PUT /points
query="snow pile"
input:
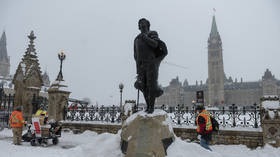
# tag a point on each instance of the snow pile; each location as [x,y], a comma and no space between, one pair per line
[103,145]
[60,85]
[6,133]
[128,108]
[181,148]
[271,104]
[156,112]
[168,122]
[271,114]
[90,144]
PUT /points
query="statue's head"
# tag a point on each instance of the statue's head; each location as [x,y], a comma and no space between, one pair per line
[144,25]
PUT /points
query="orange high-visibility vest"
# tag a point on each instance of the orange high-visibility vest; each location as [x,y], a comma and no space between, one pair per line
[16,119]
[206,115]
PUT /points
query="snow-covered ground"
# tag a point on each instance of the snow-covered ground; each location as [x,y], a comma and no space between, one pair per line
[90,144]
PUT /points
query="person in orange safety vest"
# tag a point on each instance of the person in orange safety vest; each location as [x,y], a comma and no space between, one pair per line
[204,126]
[16,122]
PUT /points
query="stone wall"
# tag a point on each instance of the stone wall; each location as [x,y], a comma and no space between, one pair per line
[227,137]
[99,128]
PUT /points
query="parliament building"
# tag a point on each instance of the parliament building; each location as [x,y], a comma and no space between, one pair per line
[218,89]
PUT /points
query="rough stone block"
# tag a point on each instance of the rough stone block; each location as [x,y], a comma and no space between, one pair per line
[146,135]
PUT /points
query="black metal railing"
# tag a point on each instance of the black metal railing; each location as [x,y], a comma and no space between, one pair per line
[181,116]
[110,114]
[7,106]
[230,116]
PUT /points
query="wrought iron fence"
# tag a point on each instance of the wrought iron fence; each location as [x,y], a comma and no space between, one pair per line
[231,116]
[7,105]
[110,114]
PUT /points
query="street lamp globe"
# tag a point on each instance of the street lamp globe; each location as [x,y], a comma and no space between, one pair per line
[193,102]
[61,55]
[121,86]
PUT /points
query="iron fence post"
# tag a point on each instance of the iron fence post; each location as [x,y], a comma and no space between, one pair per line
[113,114]
[178,114]
[233,115]
[195,115]
[255,112]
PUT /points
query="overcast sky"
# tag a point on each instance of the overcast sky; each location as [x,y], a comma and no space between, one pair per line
[97,36]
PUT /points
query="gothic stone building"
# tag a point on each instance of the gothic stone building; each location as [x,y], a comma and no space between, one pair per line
[219,89]
[5,76]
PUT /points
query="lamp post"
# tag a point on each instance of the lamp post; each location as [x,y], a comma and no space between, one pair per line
[121,86]
[61,57]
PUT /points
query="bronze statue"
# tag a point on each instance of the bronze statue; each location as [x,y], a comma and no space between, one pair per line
[149,51]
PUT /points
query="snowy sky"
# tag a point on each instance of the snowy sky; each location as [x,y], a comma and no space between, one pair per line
[98,35]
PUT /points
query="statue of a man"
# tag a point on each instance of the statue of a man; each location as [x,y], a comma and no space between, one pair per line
[149,51]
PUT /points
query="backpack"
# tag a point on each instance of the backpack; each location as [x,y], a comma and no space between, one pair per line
[161,50]
[215,124]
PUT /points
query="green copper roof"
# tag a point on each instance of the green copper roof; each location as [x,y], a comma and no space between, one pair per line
[214,29]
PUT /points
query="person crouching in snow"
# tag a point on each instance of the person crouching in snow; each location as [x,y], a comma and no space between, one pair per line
[204,126]
[16,122]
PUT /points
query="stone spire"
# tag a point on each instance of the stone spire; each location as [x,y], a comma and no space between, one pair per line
[4,59]
[3,38]
[268,75]
[31,51]
[214,30]
[29,66]
[3,47]
[186,83]
[46,79]
[269,83]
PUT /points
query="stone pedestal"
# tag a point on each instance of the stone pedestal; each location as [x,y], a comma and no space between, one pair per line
[271,120]
[271,128]
[146,135]
[58,100]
